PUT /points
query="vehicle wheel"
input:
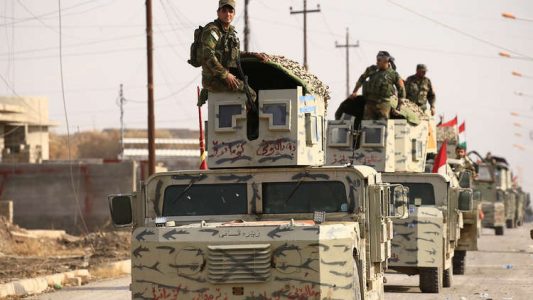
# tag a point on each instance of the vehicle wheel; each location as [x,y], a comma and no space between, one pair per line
[430,280]
[447,278]
[357,283]
[509,223]
[498,230]
[458,262]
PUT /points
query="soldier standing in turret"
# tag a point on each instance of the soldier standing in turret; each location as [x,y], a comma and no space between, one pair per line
[379,82]
[221,54]
[419,89]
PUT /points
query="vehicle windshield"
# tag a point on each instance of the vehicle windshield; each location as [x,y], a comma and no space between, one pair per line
[205,200]
[422,191]
[304,197]
[484,173]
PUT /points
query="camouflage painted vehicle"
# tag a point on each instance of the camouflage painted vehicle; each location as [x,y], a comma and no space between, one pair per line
[520,203]
[471,229]
[424,243]
[267,220]
[494,182]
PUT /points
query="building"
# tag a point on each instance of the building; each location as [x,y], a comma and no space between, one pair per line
[24,128]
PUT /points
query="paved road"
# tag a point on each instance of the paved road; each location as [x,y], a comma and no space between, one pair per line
[488,275]
[502,269]
[116,289]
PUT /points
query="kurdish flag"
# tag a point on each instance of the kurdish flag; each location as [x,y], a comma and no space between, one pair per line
[462,135]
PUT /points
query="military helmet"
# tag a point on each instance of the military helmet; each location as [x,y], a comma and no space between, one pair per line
[222,3]
[421,67]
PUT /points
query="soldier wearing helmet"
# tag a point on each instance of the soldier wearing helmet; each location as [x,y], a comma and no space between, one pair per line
[221,52]
[382,86]
[420,90]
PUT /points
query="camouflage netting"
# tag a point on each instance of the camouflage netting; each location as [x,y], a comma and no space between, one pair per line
[412,112]
[313,84]
[296,72]
[447,133]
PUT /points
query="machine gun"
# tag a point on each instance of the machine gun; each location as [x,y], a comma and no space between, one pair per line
[251,104]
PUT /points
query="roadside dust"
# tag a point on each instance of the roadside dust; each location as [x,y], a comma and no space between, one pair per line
[27,253]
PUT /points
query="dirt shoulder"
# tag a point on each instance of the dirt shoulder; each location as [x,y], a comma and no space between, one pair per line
[29,253]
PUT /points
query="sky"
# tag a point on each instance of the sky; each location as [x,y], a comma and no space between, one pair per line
[104,46]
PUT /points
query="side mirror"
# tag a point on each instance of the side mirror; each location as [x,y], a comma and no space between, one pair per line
[399,202]
[121,210]
[466,200]
[465,179]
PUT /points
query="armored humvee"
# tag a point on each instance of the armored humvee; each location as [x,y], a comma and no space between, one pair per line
[492,197]
[464,178]
[268,220]
[423,243]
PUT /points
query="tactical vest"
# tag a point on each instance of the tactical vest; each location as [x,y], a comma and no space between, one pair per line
[380,85]
[228,46]
[417,90]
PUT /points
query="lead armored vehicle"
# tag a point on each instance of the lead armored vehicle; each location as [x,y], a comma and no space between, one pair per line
[268,220]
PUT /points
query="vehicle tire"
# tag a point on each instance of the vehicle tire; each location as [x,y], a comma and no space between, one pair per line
[430,280]
[447,277]
[509,223]
[498,230]
[458,262]
[357,283]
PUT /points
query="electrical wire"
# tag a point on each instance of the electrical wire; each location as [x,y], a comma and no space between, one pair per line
[74,190]
[463,33]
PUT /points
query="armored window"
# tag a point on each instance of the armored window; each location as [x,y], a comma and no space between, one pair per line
[304,197]
[227,114]
[417,150]
[484,173]
[339,136]
[277,112]
[373,136]
[205,200]
[311,129]
[422,191]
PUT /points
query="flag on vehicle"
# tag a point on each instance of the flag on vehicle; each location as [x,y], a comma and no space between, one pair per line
[452,122]
[203,153]
[462,135]
[440,164]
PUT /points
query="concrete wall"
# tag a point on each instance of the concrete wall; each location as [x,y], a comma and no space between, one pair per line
[43,195]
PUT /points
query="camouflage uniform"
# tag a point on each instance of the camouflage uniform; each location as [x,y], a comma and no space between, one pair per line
[220,53]
[420,91]
[379,92]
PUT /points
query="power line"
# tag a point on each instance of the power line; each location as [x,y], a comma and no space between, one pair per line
[305,11]
[469,35]
[347,46]
[74,190]
[51,13]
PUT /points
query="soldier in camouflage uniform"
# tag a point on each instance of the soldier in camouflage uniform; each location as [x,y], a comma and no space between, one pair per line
[460,153]
[419,89]
[379,82]
[220,54]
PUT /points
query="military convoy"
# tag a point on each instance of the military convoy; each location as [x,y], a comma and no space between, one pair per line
[424,243]
[269,220]
[294,206]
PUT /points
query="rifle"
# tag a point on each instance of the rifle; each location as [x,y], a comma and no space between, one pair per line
[247,88]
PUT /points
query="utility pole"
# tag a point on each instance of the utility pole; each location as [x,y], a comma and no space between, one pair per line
[246,26]
[347,46]
[121,101]
[305,11]
[150,68]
